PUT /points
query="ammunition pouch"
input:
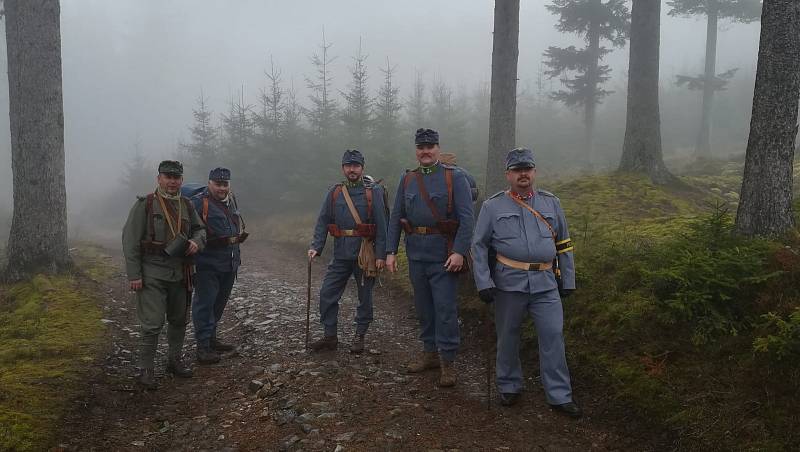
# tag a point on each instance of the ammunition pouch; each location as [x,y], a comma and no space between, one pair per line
[177,246]
[406,226]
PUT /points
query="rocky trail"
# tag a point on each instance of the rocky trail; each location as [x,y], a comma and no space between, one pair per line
[271,395]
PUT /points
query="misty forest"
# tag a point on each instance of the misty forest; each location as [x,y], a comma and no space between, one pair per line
[221,232]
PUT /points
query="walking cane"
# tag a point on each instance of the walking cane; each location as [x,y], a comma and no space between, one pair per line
[487,351]
[308,302]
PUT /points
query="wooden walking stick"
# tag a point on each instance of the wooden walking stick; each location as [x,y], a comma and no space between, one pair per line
[487,350]
[308,302]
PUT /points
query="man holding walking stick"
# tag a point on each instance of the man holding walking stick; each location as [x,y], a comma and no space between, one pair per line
[355,216]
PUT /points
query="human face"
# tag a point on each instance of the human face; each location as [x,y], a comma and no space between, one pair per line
[352,171]
[521,179]
[219,189]
[428,154]
[170,183]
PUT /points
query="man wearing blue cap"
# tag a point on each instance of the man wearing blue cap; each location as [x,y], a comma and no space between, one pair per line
[434,208]
[523,262]
[354,215]
[217,265]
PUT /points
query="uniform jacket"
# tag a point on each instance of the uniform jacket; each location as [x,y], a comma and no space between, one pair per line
[516,233]
[163,267]
[219,224]
[338,213]
[410,205]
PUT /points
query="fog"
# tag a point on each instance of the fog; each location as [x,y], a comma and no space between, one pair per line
[133,69]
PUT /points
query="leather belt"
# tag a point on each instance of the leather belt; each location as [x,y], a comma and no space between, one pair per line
[526,266]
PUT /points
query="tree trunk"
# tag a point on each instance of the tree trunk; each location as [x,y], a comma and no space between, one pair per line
[38,238]
[703,149]
[503,98]
[765,206]
[642,149]
[590,108]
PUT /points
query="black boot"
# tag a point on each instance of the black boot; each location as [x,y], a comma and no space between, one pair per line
[206,355]
[147,379]
[358,344]
[176,367]
[220,346]
[570,409]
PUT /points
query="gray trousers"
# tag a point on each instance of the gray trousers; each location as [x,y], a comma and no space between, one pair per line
[437,307]
[333,286]
[548,318]
[156,301]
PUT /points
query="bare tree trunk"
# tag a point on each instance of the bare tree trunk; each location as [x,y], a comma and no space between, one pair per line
[591,91]
[38,238]
[703,149]
[503,98]
[642,149]
[765,207]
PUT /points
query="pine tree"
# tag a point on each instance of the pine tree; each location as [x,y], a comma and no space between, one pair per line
[202,148]
[357,113]
[322,114]
[272,102]
[744,11]
[386,125]
[417,104]
[580,70]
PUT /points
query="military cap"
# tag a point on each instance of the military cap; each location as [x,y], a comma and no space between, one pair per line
[426,136]
[351,156]
[219,174]
[520,158]
[172,167]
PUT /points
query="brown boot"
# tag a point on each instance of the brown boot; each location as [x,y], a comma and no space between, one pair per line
[147,379]
[423,362]
[219,346]
[358,344]
[326,343]
[448,376]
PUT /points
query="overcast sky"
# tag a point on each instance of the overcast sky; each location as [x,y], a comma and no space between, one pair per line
[133,68]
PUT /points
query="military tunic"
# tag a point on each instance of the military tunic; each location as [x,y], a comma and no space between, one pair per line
[345,254]
[434,288]
[514,232]
[163,293]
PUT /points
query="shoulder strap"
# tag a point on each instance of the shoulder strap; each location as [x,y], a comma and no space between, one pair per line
[448,179]
[423,192]
[407,179]
[148,208]
[205,209]
[334,194]
[534,212]
[353,210]
[369,204]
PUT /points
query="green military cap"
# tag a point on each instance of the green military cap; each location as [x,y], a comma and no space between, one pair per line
[172,167]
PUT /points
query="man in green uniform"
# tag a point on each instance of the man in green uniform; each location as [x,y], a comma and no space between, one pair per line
[163,231]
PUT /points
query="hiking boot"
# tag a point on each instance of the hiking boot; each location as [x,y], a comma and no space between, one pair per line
[147,379]
[425,361]
[508,398]
[570,409]
[326,343]
[220,346]
[447,377]
[177,368]
[358,344]
[205,355]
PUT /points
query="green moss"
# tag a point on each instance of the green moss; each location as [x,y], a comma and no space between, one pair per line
[50,331]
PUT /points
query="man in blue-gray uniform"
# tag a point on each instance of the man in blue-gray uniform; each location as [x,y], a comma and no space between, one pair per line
[217,265]
[355,216]
[433,206]
[521,248]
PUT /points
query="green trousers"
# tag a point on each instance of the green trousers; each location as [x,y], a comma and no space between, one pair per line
[156,301]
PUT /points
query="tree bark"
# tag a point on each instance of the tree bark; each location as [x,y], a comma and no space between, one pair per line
[703,148]
[503,98]
[765,206]
[38,238]
[641,151]
[592,75]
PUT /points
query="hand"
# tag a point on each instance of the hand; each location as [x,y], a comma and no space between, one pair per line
[565,293]
[193,248]
[136,285]
[380,264]
[312,254]
[454,263]
[487,295]
[391,263]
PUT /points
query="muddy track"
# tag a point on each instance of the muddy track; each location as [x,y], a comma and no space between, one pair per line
[326,401]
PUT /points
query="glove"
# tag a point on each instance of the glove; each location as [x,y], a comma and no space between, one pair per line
[486,295]
[565,293]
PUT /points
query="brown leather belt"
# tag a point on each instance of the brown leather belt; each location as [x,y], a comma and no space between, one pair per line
[151,247]
[531,267]
[424,230]
[222,241]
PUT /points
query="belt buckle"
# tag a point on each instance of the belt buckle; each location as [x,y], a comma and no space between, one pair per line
[348,232]
[533,267]
[231,240]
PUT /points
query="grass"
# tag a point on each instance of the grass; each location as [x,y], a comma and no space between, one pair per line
[50,331]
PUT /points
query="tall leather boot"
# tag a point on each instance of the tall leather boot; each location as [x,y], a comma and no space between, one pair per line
[147,356]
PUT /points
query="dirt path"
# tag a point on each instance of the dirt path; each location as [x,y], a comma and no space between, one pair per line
[328,401]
